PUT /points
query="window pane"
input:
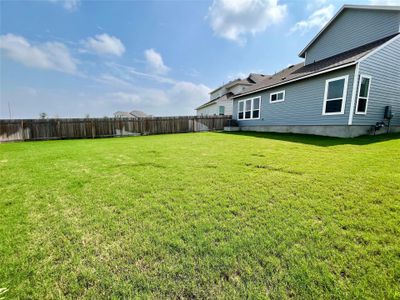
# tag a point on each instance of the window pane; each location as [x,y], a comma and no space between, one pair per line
[362,105]
[335,89]
[256,113]
[248,105]
[221,110]
[273,97]
[256,103]
[280,96]
[333,106]
[240,115]
[248,115]
[364,87]
[241,105]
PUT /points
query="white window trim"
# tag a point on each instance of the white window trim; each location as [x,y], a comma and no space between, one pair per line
[251,109]
[346,79]
[276,93]
[358,94]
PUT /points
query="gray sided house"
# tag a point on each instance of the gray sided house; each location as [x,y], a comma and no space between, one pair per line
[221,101]
[350,74]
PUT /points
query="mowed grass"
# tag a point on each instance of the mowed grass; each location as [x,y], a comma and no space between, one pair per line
[203,215]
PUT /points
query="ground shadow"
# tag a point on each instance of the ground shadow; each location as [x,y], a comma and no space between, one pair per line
[316,140]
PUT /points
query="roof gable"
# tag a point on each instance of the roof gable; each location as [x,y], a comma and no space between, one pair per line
[340,12]
[301,71]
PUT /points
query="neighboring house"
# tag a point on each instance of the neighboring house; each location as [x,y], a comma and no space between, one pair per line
[350,73]
[220,102]
[134,114]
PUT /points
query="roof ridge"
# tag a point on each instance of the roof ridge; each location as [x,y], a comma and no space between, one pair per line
[301,71]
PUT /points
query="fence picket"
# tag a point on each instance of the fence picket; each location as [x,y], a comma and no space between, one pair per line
[35,129]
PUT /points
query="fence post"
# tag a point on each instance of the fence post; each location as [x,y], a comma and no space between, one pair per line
[93,130]
[22,133]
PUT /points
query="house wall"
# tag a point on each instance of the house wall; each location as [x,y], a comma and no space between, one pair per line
[353,28]
[218,93]
[209,110]
[213,109]
[384,68]
[303,103]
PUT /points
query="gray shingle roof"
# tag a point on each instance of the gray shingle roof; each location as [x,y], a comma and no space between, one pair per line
[138,114]
[299,71]
[223,97]
[249,80]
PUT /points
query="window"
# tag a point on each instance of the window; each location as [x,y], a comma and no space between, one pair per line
[256,108]
[249,109]
[363,93]
[240,110]
[335,96]
[277,97]
[221,110]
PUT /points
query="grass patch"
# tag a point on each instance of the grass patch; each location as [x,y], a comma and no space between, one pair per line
[205,215]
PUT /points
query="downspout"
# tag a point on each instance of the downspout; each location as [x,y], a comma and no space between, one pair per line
[353,94]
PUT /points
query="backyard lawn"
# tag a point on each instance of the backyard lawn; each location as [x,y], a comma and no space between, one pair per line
[202,215]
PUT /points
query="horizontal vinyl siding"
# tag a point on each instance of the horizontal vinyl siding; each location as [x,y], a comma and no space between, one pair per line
[353,28]
[213,109]
[303,103]
[208,110]
[384,68]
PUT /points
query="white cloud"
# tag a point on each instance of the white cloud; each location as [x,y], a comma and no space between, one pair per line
[70,5]
[104,44]
[316,20]
[155,62]
[179,99]
[234,19]
[124,97]
[112,80]
[49,55]
[186,96]
[315,4]
[148,98]
[384,2]
[168,97]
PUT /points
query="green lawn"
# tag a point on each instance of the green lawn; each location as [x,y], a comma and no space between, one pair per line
[203,215]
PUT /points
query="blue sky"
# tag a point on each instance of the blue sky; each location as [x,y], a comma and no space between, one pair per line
[70,58]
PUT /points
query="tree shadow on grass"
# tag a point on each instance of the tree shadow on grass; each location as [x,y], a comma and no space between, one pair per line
[316,140]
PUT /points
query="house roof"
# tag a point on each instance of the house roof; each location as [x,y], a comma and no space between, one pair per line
[123,113]
[132,114]
[301,71]
[249,80]
[232,83]
[138,114]
[344,7]
[253,78]
[223,97]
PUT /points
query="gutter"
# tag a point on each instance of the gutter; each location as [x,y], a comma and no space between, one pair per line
[295,79]
[205,105]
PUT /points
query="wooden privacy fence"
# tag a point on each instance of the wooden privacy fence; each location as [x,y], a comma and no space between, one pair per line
[35,129]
